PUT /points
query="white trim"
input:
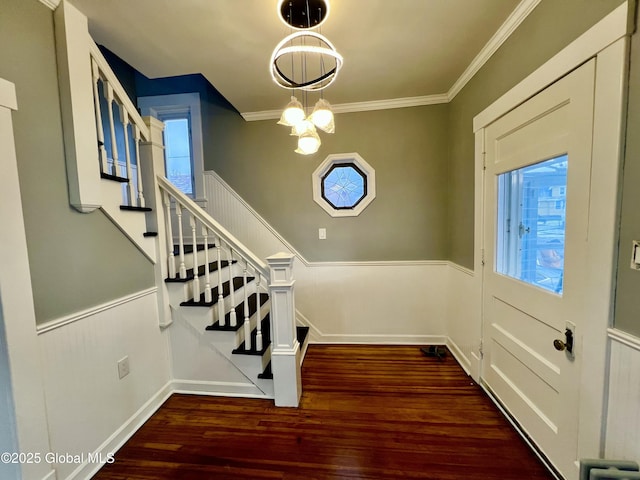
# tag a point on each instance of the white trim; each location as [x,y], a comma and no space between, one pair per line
[624,338]
[465,270]
[307,263]
[166,104]
[124,433]
[407,339]
[217,389]
[326,165]
[50,476]
[74,317]
[611,28]
[8,97]
[52,4]
[521,12]
[460,357]
[608,41]
[359,106]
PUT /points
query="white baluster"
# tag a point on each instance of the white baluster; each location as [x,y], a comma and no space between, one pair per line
[233,321]
[196,280]
[221,318]
[207,274]
[247,323]
[182,269]
[102,151]
[169,234]
[112,129]
[258,314]
[124,118]
[137,138]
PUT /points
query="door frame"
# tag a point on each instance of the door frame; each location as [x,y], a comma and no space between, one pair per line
[608,42]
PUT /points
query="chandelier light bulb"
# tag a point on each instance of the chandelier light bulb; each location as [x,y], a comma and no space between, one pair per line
[308,143]
[322,116]
[292,114]
[302,127]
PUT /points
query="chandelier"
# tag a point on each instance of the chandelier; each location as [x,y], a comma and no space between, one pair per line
[306,61]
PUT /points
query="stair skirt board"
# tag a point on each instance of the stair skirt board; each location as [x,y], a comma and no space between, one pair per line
[218,389]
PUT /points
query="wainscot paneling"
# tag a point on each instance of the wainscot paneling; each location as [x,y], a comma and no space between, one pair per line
[623,418]
[89,409]
[463,318]
[345,302]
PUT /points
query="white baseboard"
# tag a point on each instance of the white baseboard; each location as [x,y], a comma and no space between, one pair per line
[120,436]
[460,357]
[217,389]
[380,339]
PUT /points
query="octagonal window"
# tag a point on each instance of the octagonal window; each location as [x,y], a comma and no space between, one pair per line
[344,184]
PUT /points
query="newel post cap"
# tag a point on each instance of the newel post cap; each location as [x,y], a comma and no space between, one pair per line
[281,267]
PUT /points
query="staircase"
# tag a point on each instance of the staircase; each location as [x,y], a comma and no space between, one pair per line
[237,309]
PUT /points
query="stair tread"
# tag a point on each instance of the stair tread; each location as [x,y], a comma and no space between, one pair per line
[301,334]
[114,178]
[188,248]
[238,282]
[266,340]
[150,234]
[239,315]
[267,374]
[132,208]
[213,267]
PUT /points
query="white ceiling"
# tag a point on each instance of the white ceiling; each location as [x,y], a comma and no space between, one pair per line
[392,49]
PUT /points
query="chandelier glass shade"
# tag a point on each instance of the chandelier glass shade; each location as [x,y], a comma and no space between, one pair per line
[292,114]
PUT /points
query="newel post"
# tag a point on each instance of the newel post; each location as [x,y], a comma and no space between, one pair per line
[152,163]
[285,353]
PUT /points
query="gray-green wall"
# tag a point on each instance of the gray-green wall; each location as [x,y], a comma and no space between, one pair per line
[547,30]
[406,147]
[76,260]
[627,312]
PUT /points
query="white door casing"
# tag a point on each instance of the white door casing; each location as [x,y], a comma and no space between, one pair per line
[608,43]
[537,384]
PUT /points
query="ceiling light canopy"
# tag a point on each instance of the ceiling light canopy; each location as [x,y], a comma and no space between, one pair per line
[301,14]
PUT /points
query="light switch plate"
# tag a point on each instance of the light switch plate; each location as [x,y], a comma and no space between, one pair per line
[635,254]
[322,233]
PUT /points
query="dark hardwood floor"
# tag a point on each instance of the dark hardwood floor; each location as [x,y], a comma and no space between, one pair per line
[367,412]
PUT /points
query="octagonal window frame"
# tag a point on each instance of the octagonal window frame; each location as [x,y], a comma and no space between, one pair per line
[345,160]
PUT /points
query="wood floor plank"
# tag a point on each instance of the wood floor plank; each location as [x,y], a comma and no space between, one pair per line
[367,412]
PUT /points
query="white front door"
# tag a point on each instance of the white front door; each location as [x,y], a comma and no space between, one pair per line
[537,184]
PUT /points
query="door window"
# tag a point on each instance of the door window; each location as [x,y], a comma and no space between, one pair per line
[531,223]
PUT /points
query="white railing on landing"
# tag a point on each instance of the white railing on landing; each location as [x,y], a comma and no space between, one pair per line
[180,211]
[133,128]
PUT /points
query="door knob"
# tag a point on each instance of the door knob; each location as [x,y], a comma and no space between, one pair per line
[567,344]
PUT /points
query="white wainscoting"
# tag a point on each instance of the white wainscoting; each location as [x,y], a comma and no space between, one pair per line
[464,301]
[623,418]
[89,409]
[345,302]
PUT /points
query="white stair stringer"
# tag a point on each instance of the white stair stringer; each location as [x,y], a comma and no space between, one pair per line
[196,319]
[133,224]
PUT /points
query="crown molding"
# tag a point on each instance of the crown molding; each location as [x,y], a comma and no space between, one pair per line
[359,106]
[522,11]
[52,4]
